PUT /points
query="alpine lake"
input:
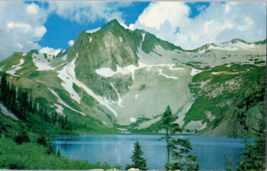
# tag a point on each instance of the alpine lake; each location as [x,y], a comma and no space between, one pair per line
[117,149]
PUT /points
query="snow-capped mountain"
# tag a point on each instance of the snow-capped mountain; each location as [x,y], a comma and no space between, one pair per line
[120,77]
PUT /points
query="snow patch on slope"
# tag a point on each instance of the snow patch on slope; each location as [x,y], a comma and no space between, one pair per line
[143,36]
[209,115]
[172,77]
[224,72]
[66,75]
[59,109]
[51,51]
[14,68]
[133,119]
[41,63]
[107,72]
[93,30]
[195,71]
[130,69]
[7,113]
[120,99]
[69,71]
[63,103]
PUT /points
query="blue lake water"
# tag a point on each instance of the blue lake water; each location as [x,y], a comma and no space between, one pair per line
[117,149]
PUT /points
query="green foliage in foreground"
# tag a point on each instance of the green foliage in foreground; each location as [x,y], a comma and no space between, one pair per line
[32,156]
[254,155]
[138,161]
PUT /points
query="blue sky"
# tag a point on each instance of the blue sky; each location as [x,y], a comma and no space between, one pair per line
[53,25]
[66,30]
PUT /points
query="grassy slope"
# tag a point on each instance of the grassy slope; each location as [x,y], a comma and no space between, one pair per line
[227,95]
[33,156]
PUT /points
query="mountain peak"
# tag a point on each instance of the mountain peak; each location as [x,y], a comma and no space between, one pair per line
[114,21]
[112,25]
[236,40]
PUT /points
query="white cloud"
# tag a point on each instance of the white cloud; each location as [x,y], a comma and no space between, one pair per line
[131,26]
[21,26]
[88,11]
[71,42]
[216,23]
[51,51]
[33,8]
[158,13]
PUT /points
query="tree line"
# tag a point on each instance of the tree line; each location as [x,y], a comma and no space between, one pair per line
[24,105]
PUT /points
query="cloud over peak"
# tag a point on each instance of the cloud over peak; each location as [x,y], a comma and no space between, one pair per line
[217,23]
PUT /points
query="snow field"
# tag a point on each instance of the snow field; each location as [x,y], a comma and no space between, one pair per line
[130,69]
[41,63]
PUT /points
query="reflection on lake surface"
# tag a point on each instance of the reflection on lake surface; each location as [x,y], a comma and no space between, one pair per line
[117,149]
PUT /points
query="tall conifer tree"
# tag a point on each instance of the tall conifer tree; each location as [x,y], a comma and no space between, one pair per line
[138,161]
[180,155]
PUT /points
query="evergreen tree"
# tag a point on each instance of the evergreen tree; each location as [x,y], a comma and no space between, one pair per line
[2,126]
[42,139]
[4,87]
[180,151]
[66,122]
[22,135]
[58,152]
[13,99]
[181,154]
[138,161]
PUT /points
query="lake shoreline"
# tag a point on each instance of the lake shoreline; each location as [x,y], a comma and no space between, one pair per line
[117,149]
[197,134]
